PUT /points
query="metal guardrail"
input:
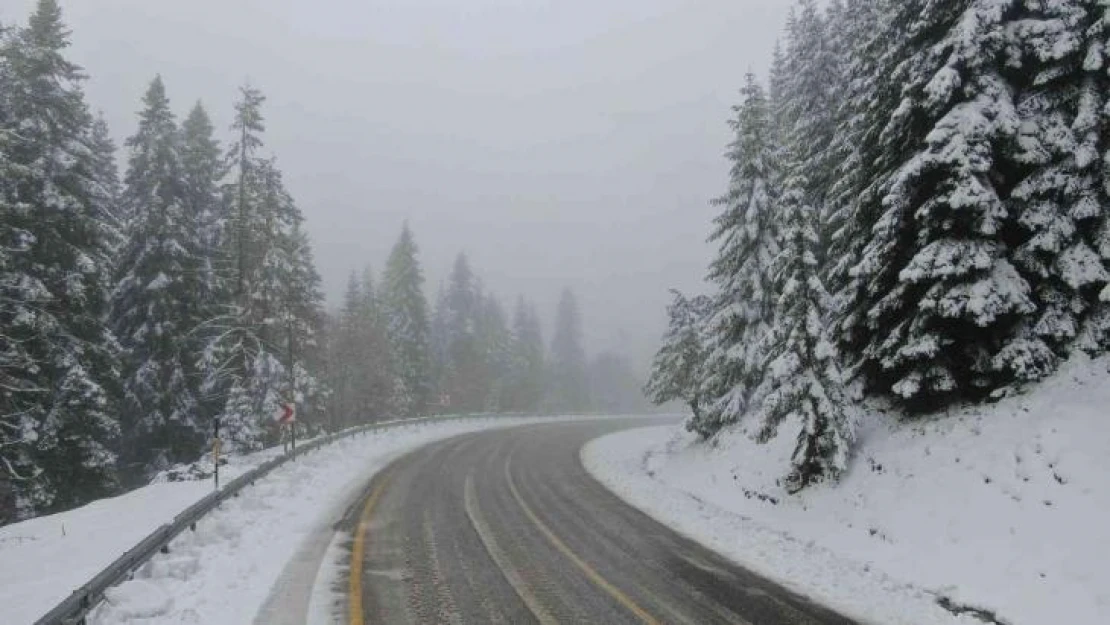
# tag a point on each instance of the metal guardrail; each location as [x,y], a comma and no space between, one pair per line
[74,609]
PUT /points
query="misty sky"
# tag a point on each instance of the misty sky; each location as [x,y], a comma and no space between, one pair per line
[560,143]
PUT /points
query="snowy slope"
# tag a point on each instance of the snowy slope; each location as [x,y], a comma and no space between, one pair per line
[221,573]
[1001,507]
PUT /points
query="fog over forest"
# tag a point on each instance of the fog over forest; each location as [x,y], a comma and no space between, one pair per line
[559,144]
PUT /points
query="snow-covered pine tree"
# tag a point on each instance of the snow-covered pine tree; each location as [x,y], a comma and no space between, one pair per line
[869,100]
[528,367]
[676,373]
[1091,125]
[375,354]
[810,96]
[406,312]
[57,276]
[363,382]
[1059,203]
[242,194]
[106,192]
[940,296]
[741,307]
[18,387]
[156,306]
[569,385]
[496,345]
[202,169]
[233,344]
[283,312]
[247,359]
[466,383]
[439,361]
[302,317]
[801,379]
[345,353]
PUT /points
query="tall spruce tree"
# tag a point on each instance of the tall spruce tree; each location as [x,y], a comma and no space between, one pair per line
[438,348]
[202,168]
[106,191]
[363,385]
[800,380]
[1058,203]
[801,377]
[241,373]
[345,350]
[156,308]
[60,359]
[262,349]
[375,358]
[869,100]
[808,106]
[748,239]
[569,385]
[301,317]
[676,373]
[938,292]
[466,382]
[495,341]
[528,372]
[18,388]
[406,313]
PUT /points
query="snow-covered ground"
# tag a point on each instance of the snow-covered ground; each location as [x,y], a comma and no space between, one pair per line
[44,559]
[222,572]
[1004,508]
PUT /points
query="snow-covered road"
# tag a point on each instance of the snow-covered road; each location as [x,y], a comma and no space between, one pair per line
[507,527]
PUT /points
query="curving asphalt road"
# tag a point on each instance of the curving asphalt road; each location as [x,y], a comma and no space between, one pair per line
[506,526]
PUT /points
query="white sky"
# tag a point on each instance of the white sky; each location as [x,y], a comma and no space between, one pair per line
[560,143]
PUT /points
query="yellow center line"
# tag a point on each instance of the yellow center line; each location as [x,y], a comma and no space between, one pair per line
[588,570]
[358,552]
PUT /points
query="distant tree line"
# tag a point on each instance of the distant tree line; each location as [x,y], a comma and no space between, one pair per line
[390,353]
[917,210]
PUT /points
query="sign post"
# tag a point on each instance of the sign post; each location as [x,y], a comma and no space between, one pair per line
[286,417]
[216,452]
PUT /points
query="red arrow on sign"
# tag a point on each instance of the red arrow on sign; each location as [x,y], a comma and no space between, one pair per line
[285,414]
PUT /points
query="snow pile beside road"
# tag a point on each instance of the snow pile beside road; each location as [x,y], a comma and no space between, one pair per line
[999,511]
[42,560]
[223,572]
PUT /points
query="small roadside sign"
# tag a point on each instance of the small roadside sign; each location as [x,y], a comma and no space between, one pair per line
[286,414]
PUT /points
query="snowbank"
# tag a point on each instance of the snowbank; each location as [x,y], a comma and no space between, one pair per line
[998,511]
[44,559]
